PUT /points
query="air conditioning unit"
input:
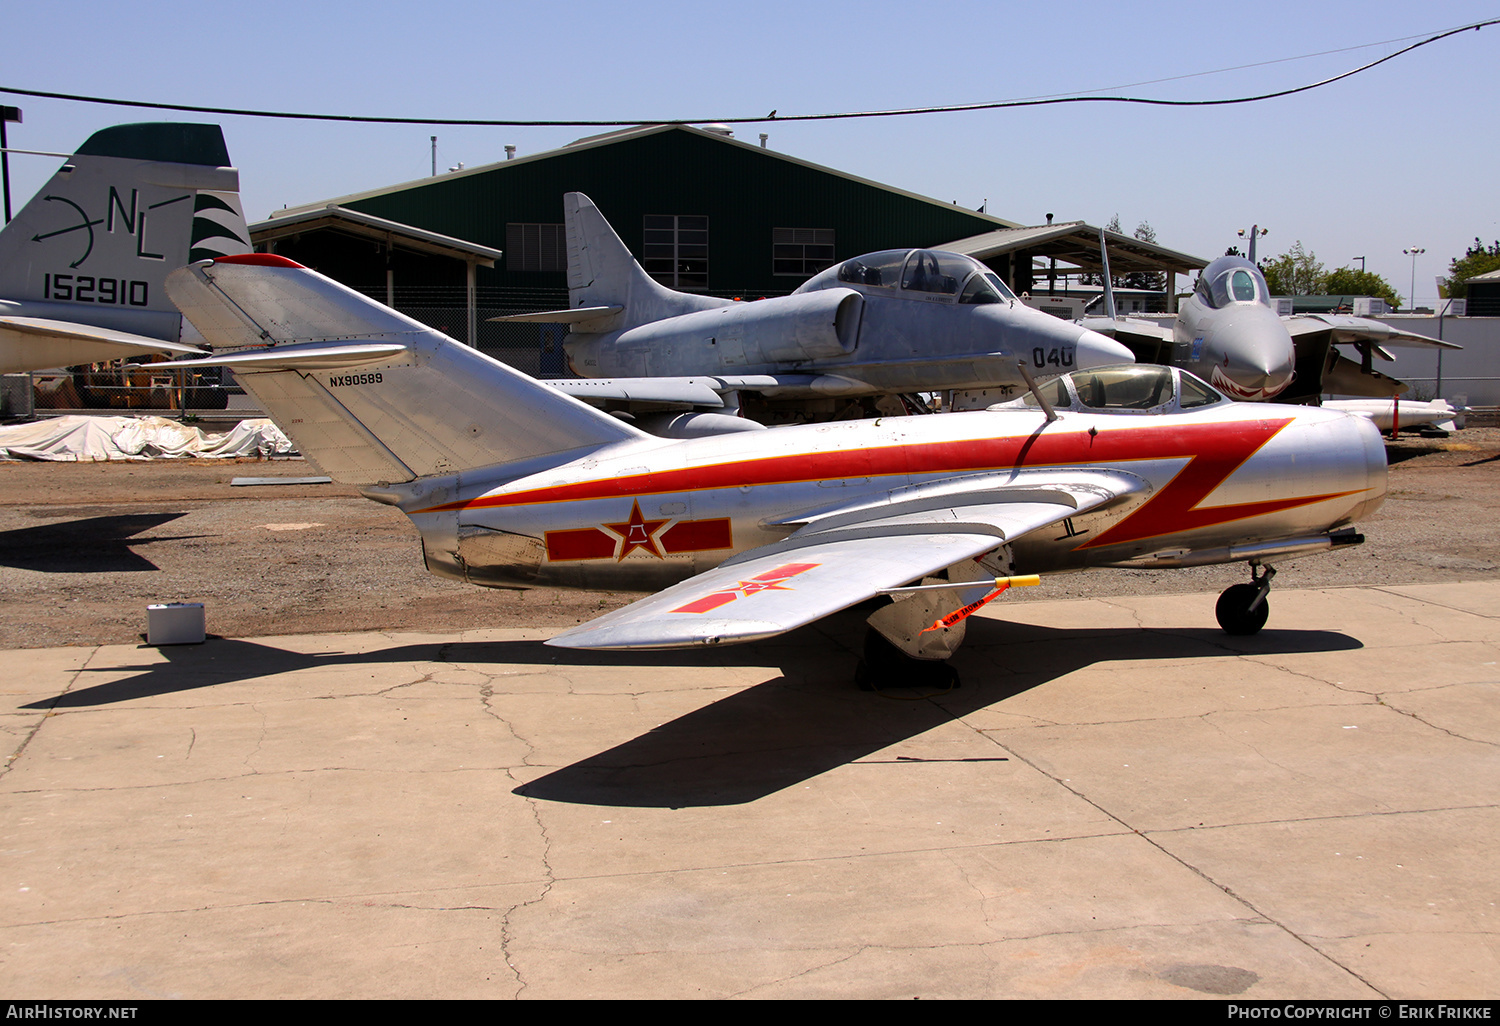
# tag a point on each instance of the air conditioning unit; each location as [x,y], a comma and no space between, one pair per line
[1370,306]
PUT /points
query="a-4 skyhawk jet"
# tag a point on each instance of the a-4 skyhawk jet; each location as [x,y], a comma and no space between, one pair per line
[893,323]
[83,265]
[751,534]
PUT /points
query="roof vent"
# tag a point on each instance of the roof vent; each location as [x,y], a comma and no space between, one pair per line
[720,129]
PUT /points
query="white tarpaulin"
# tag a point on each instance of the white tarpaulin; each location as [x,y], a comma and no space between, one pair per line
[80,439]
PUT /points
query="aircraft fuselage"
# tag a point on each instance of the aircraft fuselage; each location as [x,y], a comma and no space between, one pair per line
[645,514]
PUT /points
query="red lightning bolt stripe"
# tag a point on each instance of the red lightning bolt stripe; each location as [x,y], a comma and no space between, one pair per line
[1214,451]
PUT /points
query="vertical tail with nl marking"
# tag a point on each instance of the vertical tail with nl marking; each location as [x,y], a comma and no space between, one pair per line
[83,266]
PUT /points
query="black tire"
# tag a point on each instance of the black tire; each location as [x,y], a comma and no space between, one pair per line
[1234,612]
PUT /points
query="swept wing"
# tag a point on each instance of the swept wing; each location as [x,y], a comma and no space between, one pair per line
[842,555]
[1341,328]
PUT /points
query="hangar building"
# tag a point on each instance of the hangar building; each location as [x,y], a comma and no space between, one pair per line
[701,210]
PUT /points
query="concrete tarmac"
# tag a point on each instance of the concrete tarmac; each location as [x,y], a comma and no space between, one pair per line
[1119,802]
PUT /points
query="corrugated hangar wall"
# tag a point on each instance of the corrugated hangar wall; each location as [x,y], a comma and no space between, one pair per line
[744,191]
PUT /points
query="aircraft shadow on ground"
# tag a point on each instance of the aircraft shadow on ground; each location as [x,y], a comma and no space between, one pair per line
[804,721]
[94,545]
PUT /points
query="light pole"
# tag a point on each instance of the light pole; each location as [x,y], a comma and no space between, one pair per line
[1414,250]
[1255,232]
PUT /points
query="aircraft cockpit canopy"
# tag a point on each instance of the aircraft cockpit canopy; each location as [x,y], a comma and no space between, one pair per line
[1126,388]
[931,272]
[1232,280]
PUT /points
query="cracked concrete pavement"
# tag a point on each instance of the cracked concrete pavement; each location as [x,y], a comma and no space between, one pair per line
[1121,801]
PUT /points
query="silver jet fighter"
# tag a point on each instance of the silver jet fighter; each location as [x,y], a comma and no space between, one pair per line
[1227,334]
[891,323]
[751,534]
[83,266]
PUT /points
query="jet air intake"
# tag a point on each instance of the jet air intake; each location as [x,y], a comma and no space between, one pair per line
[818,326]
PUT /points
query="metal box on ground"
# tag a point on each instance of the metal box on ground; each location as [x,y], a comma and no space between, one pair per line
[175,623]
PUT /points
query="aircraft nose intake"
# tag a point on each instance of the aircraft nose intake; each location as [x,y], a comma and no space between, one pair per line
[1096,350]
[1258,374]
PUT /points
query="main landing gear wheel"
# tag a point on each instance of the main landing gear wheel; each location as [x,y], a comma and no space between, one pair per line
[886,666]
[1242,608]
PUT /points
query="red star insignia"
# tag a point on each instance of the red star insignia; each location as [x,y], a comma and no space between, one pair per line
[752,586]
[637,532]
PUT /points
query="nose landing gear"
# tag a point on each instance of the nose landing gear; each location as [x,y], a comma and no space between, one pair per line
[1242,608]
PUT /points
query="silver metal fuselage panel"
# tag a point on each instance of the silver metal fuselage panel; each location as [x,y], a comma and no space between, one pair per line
[646,515]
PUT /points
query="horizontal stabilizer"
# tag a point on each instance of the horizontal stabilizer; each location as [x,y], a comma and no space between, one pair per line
[582,313]
[27,343]
[306,356]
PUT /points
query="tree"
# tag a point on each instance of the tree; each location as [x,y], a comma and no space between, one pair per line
[1346,281]
[1295,273]
[1098,279]
[1152,280]
[1478,260]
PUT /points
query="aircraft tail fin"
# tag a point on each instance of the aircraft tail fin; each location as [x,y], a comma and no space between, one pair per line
[1109,288]
[602,273]
[95,244]
[369,395]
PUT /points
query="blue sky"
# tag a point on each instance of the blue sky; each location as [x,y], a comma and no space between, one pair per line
[1390,159]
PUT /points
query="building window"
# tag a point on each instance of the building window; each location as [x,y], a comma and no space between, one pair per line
[536,247]
[675,250]
[802,252]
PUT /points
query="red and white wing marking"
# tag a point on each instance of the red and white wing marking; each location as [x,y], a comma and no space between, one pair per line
[773,593]
[820,570]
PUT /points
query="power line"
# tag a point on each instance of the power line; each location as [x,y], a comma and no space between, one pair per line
[773,116]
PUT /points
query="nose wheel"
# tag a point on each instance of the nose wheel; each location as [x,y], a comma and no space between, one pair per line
[1242,608]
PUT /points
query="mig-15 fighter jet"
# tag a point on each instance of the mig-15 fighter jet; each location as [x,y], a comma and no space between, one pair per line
[898,322]
[751,534]
[83,265]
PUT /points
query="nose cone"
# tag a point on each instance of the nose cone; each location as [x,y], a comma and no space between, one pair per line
[1056,346]
[1253,354]
[1096,350]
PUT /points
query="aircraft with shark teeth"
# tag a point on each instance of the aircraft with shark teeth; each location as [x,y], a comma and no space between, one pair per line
[751,534]
[1227,334]
[83,266]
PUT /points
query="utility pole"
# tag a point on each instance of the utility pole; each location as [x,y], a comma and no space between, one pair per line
[7,114]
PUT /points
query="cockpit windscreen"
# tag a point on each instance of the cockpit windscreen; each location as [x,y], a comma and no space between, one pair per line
[932,272]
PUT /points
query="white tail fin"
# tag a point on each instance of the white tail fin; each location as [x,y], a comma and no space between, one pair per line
[1109,288]
[368,394]
[601,273]
[93,248]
